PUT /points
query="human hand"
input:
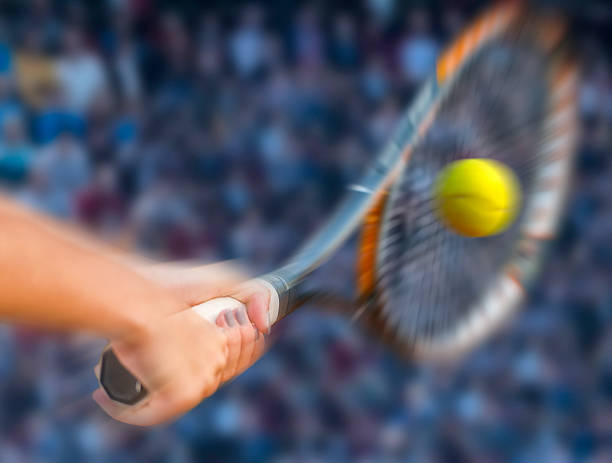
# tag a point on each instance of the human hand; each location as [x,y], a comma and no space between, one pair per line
[196,284]
[182,358]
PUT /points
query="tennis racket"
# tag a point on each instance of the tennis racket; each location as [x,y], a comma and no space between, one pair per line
[505,89]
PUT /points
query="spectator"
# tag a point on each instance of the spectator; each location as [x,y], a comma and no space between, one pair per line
[43,19]
[382,10]
[375,80]
[80,72]
[10,106]
[160,216]
[100,206]
[15,151]
[6,55]
[66,164]
[308,39]
[384,120]
[418,49]
[34,69]
[344,49]
[247,45]
[38,193]
[54,115]
[126,59]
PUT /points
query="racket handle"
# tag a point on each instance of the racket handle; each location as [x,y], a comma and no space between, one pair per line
[125,388]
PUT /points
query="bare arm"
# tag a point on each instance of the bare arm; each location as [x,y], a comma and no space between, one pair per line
[53,276]
[191,283]
[68,283]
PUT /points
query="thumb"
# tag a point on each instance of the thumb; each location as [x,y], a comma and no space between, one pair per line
[261,302]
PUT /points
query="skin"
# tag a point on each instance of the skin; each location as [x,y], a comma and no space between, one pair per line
[197,368]
[55,277]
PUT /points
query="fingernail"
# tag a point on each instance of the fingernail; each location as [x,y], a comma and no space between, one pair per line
[229,318]
[269,324]
[242,317]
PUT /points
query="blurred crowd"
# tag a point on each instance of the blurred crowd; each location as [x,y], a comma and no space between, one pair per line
[229,130]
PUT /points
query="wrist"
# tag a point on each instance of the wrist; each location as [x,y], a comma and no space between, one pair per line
[139,306]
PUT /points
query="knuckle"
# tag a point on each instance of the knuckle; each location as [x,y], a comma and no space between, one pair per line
[233,338]
[220,336]
[215,362]
[220,360]
[248,334]
[225,356]
[209,387]
[208,384]
[185,396]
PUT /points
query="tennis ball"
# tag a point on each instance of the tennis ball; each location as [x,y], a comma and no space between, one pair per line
[477,197]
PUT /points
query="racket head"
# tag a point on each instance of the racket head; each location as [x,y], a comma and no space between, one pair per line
[506,91]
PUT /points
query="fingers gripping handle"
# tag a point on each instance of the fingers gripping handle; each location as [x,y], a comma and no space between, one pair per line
[123,387]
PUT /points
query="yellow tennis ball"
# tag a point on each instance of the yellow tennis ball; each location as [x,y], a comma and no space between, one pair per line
[477,197]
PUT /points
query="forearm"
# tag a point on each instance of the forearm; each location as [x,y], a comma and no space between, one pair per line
[67,284]
[74,234]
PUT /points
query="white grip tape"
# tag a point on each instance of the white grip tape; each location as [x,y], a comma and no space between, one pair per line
[210,310]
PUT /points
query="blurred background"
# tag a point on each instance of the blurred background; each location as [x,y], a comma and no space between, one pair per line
[226,129]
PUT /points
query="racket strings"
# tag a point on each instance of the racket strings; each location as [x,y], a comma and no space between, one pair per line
[499,135]
[488,79]
[429,277]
